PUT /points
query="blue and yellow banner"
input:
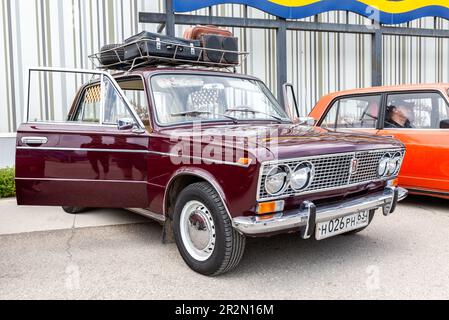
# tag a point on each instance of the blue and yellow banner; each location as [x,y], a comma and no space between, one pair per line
[383,11]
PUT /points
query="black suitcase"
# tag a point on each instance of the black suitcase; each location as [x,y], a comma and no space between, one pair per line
[219,42]
[212,41]
[112,56]
[157,45]
[231,44]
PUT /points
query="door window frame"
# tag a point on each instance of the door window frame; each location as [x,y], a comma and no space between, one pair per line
[103,75]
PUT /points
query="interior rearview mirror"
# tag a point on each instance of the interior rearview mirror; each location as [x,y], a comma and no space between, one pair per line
[125,124]
[444,124]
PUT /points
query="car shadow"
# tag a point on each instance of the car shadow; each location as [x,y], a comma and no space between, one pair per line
[430,202]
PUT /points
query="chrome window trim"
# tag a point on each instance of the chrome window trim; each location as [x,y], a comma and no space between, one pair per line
[271,162]
[102,74]
[74,123]
[215,74]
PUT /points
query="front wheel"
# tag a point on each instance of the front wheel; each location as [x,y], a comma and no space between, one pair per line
[203,231]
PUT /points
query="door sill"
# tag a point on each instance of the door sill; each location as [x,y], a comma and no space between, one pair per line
[147,213]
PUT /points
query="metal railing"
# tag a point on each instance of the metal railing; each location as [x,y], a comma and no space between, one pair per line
[173,55]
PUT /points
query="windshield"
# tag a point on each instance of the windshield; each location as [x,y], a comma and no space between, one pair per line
[186,98]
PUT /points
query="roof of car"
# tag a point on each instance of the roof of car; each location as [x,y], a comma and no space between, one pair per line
[407,87]
[147,71]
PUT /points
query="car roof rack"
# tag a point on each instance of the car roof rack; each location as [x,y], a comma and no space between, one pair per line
[144,59]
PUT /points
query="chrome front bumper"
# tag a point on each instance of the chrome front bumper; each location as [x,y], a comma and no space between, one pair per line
[309,214]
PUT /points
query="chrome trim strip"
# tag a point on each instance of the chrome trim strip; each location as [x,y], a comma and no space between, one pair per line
[84,149]
[147,213]
[285,221]
[73,123]
[80,180]
[214,161]
[279,162]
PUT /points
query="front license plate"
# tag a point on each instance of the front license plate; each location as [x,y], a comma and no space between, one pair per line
[341,225]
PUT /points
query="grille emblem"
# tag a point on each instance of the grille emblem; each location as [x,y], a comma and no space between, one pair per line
[354,166]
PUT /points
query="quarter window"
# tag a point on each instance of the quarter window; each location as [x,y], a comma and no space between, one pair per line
[90,105]
[89,109]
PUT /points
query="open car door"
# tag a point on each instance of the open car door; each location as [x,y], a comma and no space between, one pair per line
[86,149]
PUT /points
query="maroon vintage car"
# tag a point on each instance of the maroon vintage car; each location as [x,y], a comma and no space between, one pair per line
[210,154]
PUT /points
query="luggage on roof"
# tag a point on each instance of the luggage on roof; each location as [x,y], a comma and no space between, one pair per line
[202,46]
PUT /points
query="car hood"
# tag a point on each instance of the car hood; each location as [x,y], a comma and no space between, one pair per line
[283,141]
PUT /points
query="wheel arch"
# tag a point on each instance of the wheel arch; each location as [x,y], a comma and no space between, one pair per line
[184,177]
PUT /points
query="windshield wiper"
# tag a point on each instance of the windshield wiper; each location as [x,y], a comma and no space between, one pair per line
[254,111]
[194,113]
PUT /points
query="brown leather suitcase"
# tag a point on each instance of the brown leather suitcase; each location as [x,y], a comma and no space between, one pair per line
[196,32]
[212,37]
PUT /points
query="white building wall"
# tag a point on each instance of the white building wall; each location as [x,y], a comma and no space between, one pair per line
[63,33]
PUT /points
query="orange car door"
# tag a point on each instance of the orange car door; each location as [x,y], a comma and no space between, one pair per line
[426,164]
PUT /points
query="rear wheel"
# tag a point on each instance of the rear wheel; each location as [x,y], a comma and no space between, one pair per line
[371,216]
[73,210]
[203,231]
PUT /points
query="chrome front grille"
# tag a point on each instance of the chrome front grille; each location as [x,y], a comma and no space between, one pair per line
[331,171]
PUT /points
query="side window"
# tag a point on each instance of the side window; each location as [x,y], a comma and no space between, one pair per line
[354,112]
[415,110]
[114,106]
[331,117]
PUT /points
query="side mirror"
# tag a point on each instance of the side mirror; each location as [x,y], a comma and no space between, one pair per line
[125,124]
[307,121]
[444,124]
[289,99]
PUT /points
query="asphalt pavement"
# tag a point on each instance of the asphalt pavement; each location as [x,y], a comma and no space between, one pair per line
[114,254]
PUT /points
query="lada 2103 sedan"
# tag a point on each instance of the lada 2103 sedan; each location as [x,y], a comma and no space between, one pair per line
[210,154]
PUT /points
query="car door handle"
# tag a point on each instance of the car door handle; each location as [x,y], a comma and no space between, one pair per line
[34,140]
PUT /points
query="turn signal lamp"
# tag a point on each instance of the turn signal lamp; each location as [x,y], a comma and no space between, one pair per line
[270,207]
[244,161]
[393,182]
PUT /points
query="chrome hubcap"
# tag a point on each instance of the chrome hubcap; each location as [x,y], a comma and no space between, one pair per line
[197,230]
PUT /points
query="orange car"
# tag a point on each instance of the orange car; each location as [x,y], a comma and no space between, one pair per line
[418,115]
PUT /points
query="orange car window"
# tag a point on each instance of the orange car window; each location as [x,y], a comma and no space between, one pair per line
[424,110]
[353,112]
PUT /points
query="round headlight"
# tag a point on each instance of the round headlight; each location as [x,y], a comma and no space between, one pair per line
[276,179]
[383,164]
[395,164]
[391,167]
[302,176]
